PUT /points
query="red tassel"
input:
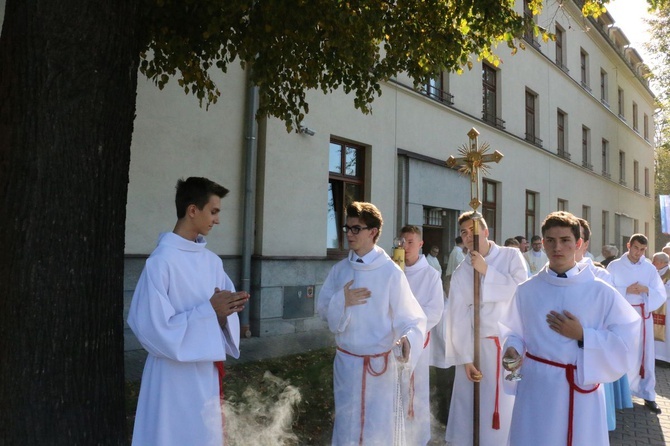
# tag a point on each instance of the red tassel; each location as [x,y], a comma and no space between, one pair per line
[496,421]
[642,371]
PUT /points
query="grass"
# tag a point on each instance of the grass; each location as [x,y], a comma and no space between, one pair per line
[311,373]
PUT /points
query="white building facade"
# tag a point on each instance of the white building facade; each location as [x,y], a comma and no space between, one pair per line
[573,118]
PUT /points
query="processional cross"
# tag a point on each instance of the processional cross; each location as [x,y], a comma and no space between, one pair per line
[473,161]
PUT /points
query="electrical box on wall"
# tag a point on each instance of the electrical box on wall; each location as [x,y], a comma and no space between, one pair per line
[298,302]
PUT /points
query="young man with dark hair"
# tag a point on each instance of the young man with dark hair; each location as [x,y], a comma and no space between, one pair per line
[638,281]
[426,285]
[569,332]
[368,304]
[184,313]
[523,243]
[501,269]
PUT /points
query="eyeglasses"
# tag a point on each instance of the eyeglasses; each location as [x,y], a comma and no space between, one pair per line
[354,229]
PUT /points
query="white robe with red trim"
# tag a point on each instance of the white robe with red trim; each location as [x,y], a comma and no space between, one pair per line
[624,273]
[611,327]
[506,269]
[426,285]
[369,329]
[174,321]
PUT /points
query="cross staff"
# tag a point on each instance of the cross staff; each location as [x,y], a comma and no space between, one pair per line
[474,159]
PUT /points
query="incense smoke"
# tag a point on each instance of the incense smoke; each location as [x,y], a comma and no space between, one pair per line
[262,417]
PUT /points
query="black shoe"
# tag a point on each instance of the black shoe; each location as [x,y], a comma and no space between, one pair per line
[651,405]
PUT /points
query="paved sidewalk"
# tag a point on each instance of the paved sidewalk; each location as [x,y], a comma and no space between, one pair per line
[635,427]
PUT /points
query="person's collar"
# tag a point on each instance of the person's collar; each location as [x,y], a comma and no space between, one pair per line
[367,258]
[571,272]
[642,258]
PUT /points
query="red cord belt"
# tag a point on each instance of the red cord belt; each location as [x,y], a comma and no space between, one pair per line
[570,377]
[220,368]
[495,423]
[644,335]
[367,368]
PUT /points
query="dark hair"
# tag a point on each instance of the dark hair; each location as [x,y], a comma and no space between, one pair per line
[561,219]
[587,229]
[197,191]
[640,238]
[367,212]
[458,240]
[511,242]
[411,229]
[535,238]
[519,238]
[467,215]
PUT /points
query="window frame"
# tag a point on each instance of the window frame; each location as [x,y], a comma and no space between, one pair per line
[490,206]
[531,213]
[344,179]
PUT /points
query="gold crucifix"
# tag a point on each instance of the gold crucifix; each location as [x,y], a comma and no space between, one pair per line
[474,160]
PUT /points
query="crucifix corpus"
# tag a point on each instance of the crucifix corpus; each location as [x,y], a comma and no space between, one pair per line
[473,161]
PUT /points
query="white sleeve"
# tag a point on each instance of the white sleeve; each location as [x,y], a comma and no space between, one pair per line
[189,336]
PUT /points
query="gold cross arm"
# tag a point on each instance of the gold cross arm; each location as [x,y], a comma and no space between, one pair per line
[474,159]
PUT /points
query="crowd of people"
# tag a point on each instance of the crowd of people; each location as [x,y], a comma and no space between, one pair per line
[563,339]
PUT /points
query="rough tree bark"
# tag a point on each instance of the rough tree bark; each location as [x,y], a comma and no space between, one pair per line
[68,76]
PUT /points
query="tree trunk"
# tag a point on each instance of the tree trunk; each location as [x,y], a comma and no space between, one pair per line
[68,77]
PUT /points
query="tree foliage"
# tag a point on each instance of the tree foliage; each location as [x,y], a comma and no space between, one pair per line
[292,46]
[659,47]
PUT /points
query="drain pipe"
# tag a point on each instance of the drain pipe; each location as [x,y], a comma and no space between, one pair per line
[249,213]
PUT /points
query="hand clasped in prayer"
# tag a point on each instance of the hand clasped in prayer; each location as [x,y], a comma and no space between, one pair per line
[355,296]
[636,288]
[565,324]
[226,303]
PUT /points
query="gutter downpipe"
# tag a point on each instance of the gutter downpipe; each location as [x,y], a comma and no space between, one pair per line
[249,210]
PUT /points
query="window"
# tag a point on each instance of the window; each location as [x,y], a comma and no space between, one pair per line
[586,148]
[346,181]
[645,123]
[586,213]
[432,217]
[636,176]
[646,182]
[490,96]
[562,149]
[604,228]
[438,88]
[635,126]
[560,44]
[529,33]
[620,102]
[603,88]
[622,167]
[584,68]
[489,205]
[636,226]
[562,205]
[605,159]
[531,119]
[531,213]
[646,228]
